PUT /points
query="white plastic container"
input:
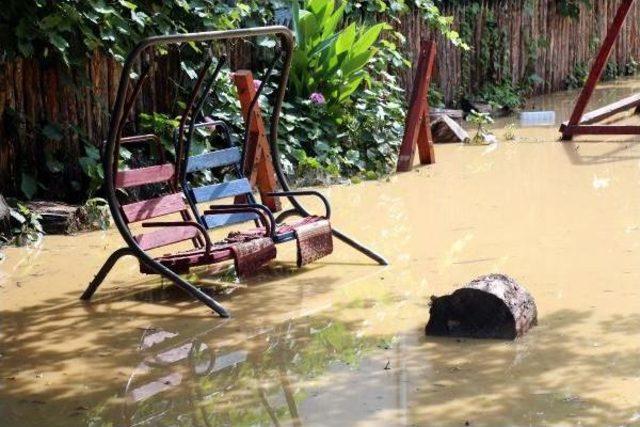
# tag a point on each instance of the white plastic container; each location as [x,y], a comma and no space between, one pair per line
[537,118]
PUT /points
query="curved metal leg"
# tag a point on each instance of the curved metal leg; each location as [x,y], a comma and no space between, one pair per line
[102,274]
[359,247]
[187,287]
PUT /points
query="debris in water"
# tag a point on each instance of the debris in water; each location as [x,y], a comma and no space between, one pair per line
[600,183]
[445,129]
[5,218]
[492,306]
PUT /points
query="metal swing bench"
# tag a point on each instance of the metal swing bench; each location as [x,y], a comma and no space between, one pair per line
[204,252]
[166,233]
[240,186]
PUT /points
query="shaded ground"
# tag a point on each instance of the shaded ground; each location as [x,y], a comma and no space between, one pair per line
[341,342]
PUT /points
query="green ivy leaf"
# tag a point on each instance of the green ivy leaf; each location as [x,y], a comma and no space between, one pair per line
[53,132]
[53,164]
[59,42]
[28,185]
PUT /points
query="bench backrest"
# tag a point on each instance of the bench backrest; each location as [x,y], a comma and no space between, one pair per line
[157,206]
[239,186]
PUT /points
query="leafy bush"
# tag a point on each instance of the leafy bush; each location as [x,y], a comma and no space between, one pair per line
[70,29]
[611,71]
[578,76]
[504,95]
[510,132]
[571,8]
[323,141]
[25,226]
[94,215]
[481,120]
[346,59]
[631,67]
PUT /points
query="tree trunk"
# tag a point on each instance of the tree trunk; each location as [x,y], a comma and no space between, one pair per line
[493,306]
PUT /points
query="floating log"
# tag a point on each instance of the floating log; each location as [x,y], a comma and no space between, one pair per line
[444,129]
[492,306]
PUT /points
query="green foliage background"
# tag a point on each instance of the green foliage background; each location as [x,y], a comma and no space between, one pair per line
[357,136]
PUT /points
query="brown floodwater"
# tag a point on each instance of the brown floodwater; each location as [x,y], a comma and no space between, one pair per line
[341,342]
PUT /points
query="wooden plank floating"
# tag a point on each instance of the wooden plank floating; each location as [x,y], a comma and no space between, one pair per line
[216,159]
[493,306]
[610,110]
[145,175]
[154,208]
[457,115]
[444,129]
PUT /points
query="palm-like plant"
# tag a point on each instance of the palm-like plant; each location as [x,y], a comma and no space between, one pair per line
[328,58]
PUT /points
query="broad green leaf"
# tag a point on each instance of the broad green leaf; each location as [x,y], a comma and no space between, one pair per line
[92,152]
[28,185]
[346,39]
[308,28]
[17,216]
[321,7]
[367,39]
[326,44]
[53,165]
[128,4]
[331,24]
[347,90]
[58,41]
[295,13]
[52,132]
[356,63]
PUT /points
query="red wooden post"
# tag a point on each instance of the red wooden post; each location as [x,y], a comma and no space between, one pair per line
[258,163]
[571,127]
[417,126]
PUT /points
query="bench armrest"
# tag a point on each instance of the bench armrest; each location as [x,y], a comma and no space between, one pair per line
[325,202]
[265,215]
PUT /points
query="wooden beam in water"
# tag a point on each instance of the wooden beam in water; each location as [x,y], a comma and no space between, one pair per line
[610,110]
[599,130]
[594,76]
[417,131]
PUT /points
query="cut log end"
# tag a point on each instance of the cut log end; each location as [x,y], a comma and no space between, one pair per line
[493,306]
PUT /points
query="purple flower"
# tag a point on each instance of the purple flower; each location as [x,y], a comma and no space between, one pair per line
[317,98]
[256,84]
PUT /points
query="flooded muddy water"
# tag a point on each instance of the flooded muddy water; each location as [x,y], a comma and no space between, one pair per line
[342,342]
